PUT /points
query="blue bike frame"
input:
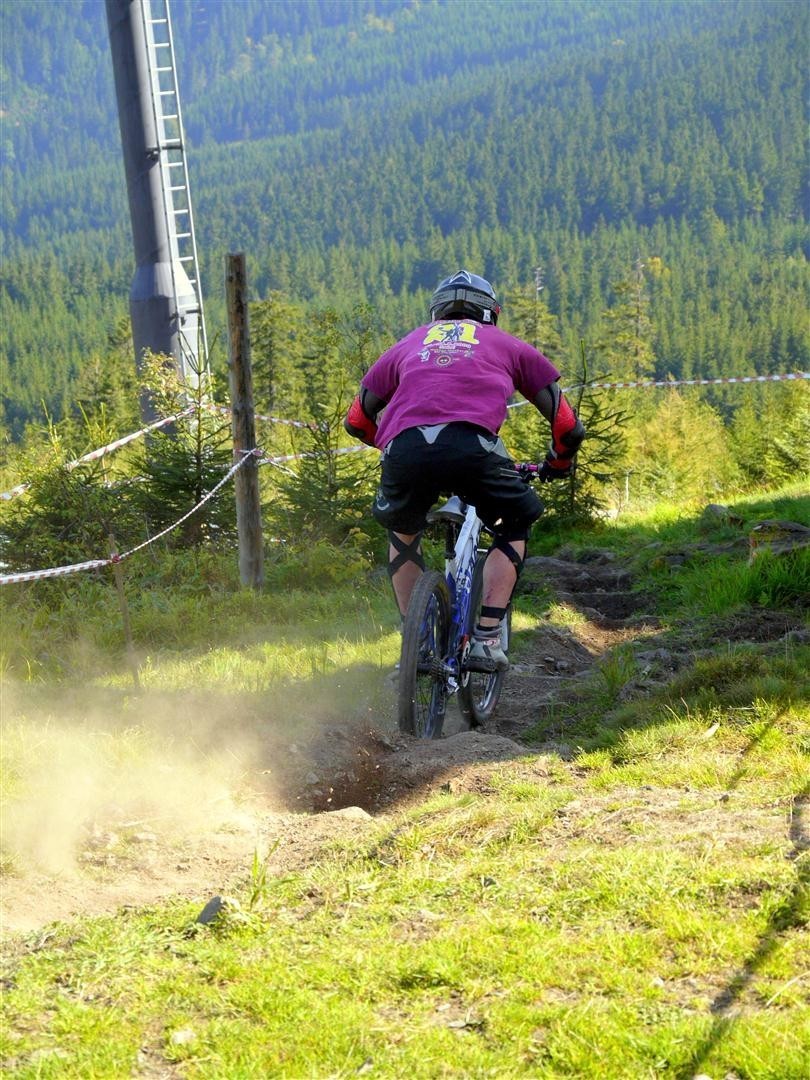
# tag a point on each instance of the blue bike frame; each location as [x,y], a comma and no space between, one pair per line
[459,567]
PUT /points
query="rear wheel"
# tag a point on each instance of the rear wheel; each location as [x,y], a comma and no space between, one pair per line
[479,693]
[422,674]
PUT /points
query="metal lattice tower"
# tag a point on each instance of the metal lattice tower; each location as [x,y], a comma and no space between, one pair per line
[173,167]
[166,296]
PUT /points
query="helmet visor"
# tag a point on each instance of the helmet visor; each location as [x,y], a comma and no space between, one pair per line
[450,298]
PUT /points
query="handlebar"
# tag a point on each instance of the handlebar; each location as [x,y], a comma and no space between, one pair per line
[528,470]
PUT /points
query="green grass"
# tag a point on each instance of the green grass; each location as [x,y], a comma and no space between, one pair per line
[536,930]
[631,902]
[75,631]
[716,585]
[677,524]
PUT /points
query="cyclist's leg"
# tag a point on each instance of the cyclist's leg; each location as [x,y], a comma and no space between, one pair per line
[408,488]
[508,507]
[501,571]
[490,637]
[481,683]
[405,566]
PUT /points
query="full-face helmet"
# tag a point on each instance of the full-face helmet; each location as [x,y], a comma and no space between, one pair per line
[465,295]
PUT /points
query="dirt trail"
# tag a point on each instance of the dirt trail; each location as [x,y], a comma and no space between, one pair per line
[346,776]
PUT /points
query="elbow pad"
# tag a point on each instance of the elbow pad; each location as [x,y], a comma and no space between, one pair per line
[358,424]
[567,430]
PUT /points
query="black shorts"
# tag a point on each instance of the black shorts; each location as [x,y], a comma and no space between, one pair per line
[422,463]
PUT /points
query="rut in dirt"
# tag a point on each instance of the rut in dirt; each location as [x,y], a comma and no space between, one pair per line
[378,769]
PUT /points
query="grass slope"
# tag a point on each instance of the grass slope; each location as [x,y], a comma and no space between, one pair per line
[629,899]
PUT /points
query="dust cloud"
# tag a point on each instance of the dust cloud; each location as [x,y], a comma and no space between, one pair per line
[85,785]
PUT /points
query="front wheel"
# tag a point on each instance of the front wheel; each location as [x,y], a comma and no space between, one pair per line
[422,674]
[479,693]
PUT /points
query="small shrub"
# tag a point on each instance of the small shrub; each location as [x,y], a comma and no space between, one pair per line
[320,564]
[616,670]
[778,581]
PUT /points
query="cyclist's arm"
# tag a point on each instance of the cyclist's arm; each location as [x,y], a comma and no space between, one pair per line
[567,430]
[361,419]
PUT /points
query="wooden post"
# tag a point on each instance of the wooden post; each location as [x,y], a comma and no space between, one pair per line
[118,574]
[240,377]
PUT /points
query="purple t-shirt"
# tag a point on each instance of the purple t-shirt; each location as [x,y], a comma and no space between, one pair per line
[454,370]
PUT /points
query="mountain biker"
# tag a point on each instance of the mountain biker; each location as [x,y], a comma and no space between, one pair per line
[444,389]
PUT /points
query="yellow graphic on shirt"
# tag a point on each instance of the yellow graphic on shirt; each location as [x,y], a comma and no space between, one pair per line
[447,332]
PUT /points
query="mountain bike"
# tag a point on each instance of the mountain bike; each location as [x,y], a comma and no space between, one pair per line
[436,633]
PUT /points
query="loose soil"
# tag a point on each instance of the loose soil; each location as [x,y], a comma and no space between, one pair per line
[342,778]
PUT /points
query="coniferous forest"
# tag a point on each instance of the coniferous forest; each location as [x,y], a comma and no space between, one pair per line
[225,847]
[644,162]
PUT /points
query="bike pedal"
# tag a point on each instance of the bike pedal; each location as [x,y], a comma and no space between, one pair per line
[481,667]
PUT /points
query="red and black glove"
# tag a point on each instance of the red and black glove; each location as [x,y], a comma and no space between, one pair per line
[556,468]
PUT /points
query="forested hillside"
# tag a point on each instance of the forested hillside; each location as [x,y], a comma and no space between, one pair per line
[358,150]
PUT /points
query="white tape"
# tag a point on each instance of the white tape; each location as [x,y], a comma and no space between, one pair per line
[268,419]
[646,384]
[102,450]
[55,571]
[95,564]
[18,490]
[280,459]
[233,469]
[657,384]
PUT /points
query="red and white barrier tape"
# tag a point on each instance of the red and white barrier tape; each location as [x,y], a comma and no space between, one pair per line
[102,450]
[655,384]
[262,416]
[246,454]
[94,564]
[18,490]
[646,384]
[118,443]
[280,459]
[56,571]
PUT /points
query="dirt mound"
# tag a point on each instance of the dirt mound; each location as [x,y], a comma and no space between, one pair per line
[455,763]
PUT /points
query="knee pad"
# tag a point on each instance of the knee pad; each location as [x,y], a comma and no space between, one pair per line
[405,553]
[503,542]
[518,524]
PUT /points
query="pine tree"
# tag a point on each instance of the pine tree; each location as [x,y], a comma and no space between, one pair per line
[67,513]
[182,463]
[527,315]
[584,495]
[787,456]
[326,493]
[277,334]
[626,347]
[681,452]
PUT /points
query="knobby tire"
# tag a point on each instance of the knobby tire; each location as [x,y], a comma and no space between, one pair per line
[422,699]
[480,692]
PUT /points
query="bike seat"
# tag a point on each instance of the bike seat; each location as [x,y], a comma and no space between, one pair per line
[455,510]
